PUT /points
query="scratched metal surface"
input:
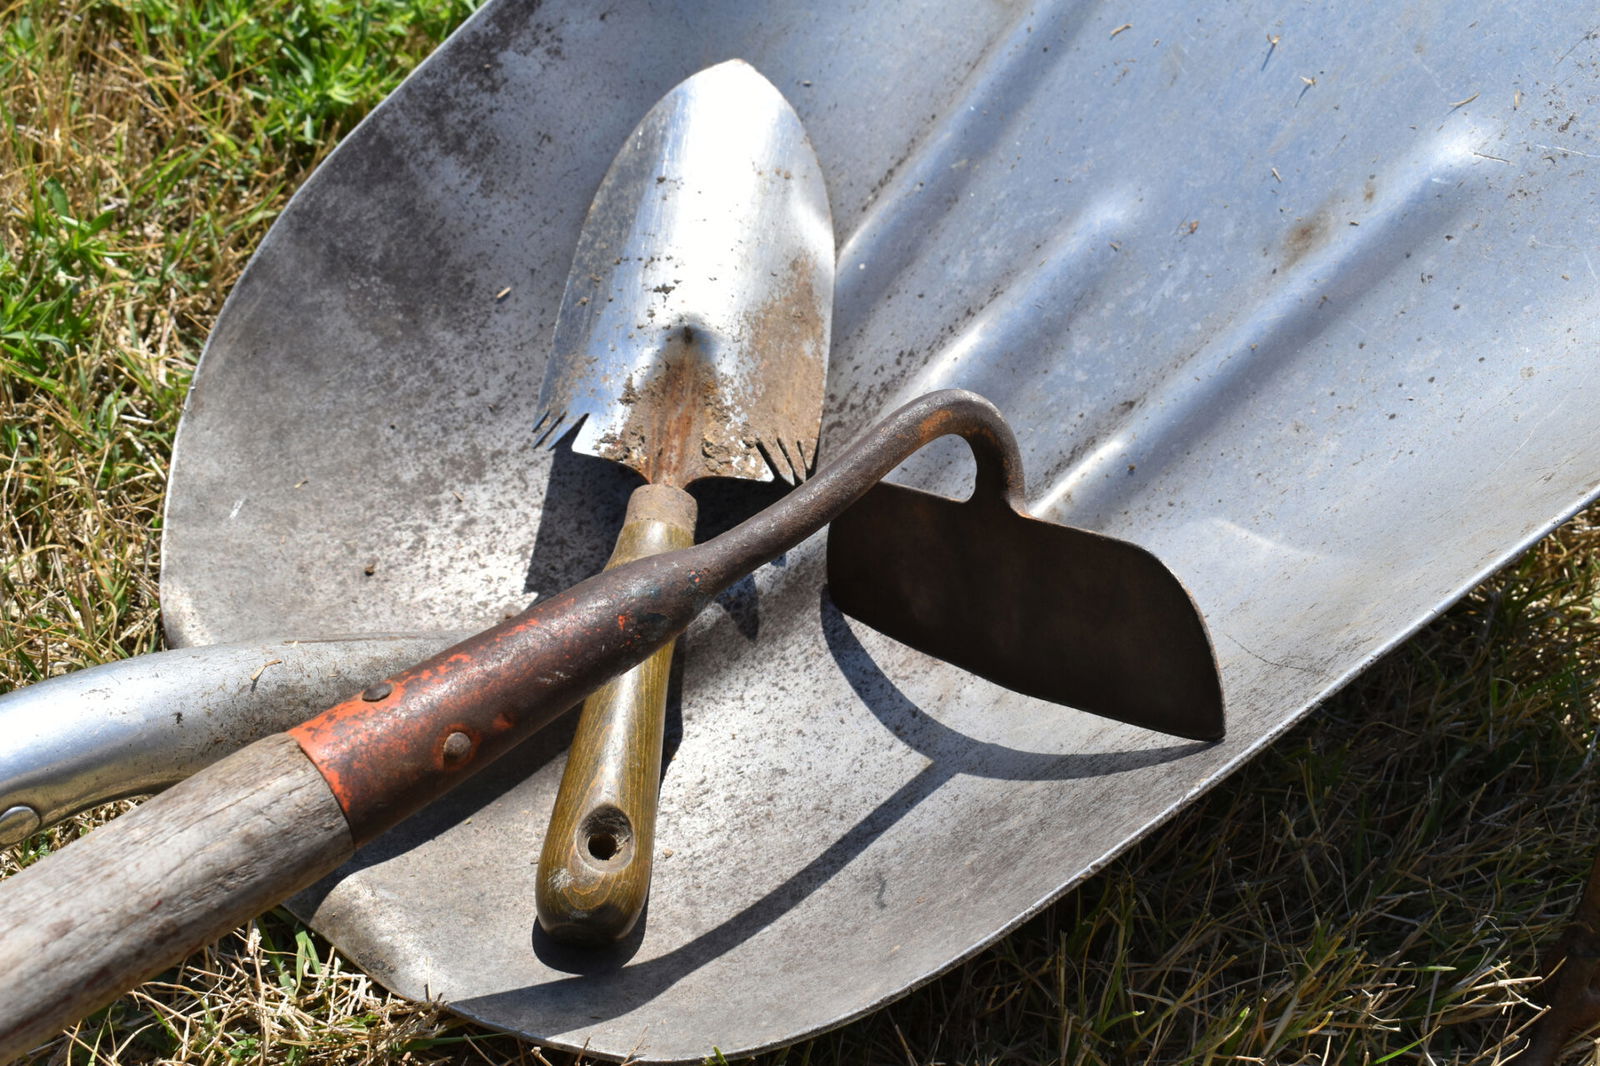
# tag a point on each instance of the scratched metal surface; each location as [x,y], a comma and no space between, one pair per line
[1312,319]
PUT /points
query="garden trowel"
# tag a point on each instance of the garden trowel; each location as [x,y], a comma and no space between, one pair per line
[691,342]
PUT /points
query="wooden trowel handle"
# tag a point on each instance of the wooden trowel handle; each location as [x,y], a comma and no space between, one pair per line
[594,868]
[130,899]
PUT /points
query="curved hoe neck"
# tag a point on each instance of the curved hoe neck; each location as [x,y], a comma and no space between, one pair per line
[868,460]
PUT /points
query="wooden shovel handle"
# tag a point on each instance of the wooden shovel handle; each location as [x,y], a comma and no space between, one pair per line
[594,868]
[130,899]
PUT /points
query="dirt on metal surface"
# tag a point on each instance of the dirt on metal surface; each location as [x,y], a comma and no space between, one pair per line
[686,421]
[1303,425]
[788,366]
[680,425]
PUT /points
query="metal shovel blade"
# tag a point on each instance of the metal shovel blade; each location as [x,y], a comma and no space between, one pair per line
[693,333]
[1290,338]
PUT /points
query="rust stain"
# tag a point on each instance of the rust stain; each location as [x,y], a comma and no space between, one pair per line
[1306,236]
[705,410]
[788,355]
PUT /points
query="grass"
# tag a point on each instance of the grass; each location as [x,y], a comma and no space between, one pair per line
[145,147]
[1375,888]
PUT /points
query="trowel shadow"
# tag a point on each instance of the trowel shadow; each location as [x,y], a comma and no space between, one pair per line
[585,500]
[598,993]
[585,503]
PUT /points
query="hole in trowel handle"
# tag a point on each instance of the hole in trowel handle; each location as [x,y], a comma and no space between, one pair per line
[607,836]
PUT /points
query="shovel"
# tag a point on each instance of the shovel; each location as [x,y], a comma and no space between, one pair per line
[1290,337]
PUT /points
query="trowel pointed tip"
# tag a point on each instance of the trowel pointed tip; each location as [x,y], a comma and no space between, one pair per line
[734,71]
[736,76]
[734,65]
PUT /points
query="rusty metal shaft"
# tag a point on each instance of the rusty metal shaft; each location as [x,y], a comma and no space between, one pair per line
[403,742]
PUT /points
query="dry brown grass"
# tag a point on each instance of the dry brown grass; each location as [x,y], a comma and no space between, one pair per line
[1374,888]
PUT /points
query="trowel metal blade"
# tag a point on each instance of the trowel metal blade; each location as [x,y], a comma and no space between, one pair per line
[697,311]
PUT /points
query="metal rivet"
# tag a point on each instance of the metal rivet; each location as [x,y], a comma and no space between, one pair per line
[377,692]
[457,746]
[17,823]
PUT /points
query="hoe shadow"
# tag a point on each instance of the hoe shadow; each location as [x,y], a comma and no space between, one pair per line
[585,502]
[602,986]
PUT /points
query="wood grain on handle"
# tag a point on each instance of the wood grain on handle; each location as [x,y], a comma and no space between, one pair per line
[594,868]
[130,899]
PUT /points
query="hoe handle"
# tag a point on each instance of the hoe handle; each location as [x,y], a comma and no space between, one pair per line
[130,899]
[594,868]
[134,896]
